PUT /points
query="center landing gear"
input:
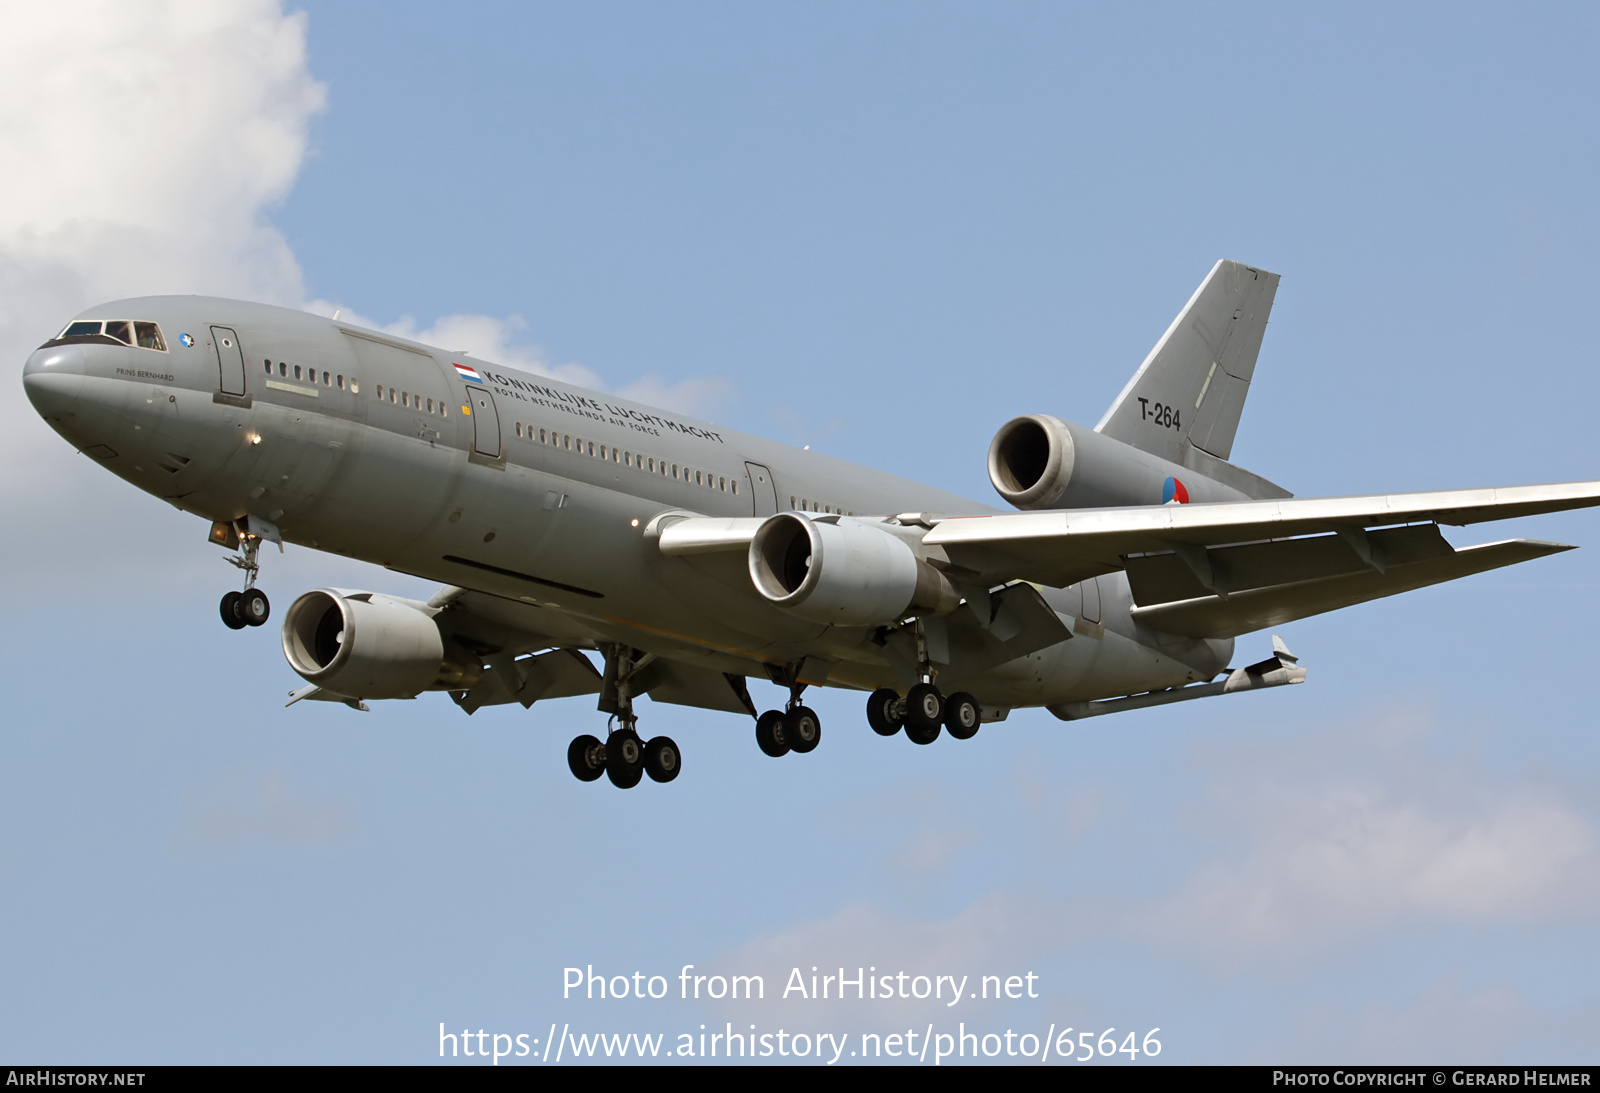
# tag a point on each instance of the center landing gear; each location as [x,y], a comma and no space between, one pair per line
[251,606]
[623,758]
[795,728]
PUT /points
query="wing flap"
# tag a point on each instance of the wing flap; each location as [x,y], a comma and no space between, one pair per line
[1256,608]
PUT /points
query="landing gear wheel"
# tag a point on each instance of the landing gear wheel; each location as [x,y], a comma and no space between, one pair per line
[921,736]
[802,729]
[962,715]
[229,609]
[624,759]
[882,710]
[770,735]
[254,607]
[587,758]
[661,759]
[924,708]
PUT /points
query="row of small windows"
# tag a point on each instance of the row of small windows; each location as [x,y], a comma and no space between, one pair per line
[805,505]
[646,463]
[414,402]
[309,375]
[143,335]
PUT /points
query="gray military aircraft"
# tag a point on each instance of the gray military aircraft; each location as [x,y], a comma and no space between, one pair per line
[692,557]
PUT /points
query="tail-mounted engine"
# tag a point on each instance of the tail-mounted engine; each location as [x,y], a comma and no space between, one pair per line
[1041,462]
[844,572]
[368,645]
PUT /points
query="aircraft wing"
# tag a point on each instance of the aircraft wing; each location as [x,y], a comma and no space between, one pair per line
[1060,548]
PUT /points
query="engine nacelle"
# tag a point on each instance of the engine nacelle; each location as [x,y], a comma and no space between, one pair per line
[368,645]
[1041,462]
[844,572]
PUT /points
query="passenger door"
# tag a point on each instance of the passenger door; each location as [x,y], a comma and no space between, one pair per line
[230,360]
[763,491]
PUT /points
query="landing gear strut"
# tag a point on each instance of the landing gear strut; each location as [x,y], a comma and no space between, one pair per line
[251,606]
[624,757]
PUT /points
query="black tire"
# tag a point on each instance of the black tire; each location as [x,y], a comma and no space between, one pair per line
[770,737]
[924,709]
[624,759]
[229,609]
[586,759]
[962,716]
[662,760]
[921,736]
[254,607]
[802,728]
[882,713]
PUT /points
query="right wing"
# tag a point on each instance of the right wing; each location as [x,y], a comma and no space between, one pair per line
[1220,570]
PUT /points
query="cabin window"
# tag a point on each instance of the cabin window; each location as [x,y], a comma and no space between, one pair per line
[311,375]
[297,371]
[652,465]
[591,449]
[391,396]
[269,368]
[283,369]
[430,406]
[602,451]
[674,470]
[697,478]
[380,392]
[355,388]
[566,441]
[148,336]
[722,484]
[541,436]
[341,382]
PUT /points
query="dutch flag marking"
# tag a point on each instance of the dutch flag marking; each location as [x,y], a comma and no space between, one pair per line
[469,374]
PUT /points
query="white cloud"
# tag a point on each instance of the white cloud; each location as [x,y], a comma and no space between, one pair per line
[1349,833]
[142,145]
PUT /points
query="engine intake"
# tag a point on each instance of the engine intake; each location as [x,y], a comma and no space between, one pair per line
[368,645]
[844,572]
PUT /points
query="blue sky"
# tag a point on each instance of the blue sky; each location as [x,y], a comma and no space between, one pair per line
[882,231]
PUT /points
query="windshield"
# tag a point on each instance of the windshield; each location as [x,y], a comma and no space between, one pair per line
[126,331]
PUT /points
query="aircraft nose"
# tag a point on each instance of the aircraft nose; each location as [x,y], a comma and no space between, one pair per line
[53,379]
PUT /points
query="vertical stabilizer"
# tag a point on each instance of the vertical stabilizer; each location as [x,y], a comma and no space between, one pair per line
[1191,389]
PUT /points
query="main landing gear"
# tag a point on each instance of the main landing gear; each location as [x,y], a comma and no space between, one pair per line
[794,728]
[251,606]
[623,758]
[922,713]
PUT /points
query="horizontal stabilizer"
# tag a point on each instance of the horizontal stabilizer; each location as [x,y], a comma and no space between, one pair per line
[1255,608]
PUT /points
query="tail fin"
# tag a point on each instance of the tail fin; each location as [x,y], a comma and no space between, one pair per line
[1190,390]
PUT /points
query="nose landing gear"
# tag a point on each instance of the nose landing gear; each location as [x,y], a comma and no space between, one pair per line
[251,606]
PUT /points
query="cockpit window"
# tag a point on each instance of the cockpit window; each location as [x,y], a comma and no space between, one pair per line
[149,336]
[113,332]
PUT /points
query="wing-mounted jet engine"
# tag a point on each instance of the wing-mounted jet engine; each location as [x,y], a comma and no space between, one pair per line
[845,572]
[359,645]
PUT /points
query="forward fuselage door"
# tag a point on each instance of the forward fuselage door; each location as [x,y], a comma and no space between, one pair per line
[230,360]
[485,421]
[763,491]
